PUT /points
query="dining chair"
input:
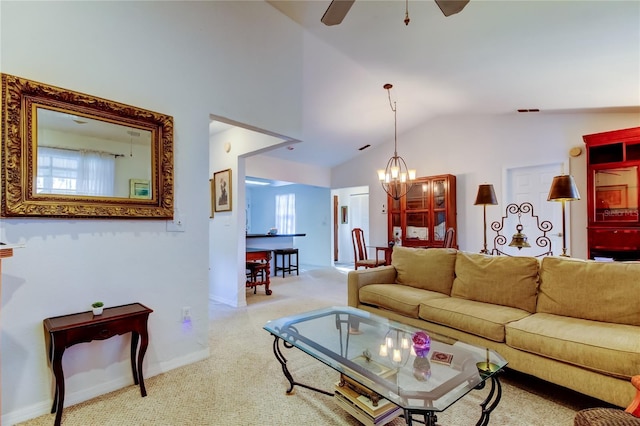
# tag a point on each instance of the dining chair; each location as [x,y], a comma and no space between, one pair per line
[360,251]
[449,238]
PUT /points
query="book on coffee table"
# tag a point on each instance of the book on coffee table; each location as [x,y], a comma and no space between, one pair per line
[363,402]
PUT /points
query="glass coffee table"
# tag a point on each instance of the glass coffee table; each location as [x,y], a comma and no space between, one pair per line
[381,361]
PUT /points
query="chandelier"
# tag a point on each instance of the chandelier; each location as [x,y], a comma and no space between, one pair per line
[396,179]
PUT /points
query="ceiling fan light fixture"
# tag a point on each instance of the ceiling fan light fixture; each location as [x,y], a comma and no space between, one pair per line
[406,13]
[338,9]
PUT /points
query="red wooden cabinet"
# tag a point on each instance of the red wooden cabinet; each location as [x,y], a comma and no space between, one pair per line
[421,218]
[613,174]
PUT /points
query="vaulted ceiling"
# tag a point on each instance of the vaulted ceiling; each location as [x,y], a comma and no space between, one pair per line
[494,57]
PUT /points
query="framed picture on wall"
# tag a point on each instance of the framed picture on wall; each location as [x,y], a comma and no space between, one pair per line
[612,196]
[344,214]
[139,188]
[212,195]
[222,191]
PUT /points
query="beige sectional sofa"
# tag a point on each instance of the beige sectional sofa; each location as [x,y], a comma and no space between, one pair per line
[572,322]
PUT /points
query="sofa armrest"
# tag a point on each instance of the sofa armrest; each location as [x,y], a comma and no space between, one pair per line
[357,279]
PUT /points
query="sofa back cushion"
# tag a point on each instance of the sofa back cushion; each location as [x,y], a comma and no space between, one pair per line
[599,291]
[429,269]
[501,280]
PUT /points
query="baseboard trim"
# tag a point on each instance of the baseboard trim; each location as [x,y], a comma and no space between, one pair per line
[72,398]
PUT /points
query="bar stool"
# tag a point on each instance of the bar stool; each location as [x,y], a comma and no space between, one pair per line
[289,267]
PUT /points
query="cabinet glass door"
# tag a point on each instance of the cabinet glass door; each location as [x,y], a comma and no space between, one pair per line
[417,228]
[440,226]
[418,196]
[396,227]
[616,194]
[439,194]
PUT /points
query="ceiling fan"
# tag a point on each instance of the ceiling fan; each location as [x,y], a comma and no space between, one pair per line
[338,9]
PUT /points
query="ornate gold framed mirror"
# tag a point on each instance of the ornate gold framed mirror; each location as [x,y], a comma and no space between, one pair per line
[68,154]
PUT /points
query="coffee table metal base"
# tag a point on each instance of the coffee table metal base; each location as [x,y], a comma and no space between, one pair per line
[283,361]
[429,417]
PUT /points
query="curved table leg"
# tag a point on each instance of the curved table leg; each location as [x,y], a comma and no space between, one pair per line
[134,349]
[144,343]
[58,399]
[488,405]
[283,362]
[430,418]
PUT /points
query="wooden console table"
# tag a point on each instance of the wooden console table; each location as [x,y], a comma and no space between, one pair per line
[67,330]
[260,255]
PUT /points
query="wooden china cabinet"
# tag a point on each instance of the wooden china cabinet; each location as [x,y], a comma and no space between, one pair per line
[421,218]
[613,167]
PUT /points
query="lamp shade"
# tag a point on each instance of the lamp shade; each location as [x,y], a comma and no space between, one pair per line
[486,195]
[563,188]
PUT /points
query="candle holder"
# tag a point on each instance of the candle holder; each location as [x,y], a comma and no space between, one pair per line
[396,346]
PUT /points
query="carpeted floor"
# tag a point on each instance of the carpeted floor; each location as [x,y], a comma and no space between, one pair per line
[242,383]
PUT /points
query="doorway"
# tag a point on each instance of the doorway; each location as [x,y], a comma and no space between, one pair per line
[531,184]
[351,210]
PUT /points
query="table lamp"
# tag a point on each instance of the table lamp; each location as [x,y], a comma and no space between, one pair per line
[486,195]
[563,188]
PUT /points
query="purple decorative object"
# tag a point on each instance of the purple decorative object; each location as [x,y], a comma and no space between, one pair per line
[421,343]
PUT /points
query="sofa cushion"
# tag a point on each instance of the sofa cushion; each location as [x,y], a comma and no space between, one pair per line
[501,280]
[428,269]
[599,291]
[402,299]
[604,347]
[482,319]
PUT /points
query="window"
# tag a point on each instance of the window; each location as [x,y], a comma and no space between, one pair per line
[65,171]
[286,213]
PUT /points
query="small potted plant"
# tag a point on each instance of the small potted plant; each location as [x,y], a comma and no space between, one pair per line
[97,308]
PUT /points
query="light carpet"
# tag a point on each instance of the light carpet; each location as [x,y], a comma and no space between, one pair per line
[242,382]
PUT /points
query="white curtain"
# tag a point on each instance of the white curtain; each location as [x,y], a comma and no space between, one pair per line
[97,173]
[286,213]
[64,171]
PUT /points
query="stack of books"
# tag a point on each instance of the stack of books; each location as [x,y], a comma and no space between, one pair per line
[363,404]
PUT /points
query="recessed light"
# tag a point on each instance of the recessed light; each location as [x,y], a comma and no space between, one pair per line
[255,182]
[290,148]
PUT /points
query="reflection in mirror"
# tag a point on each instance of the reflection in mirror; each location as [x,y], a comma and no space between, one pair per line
[68,154]
[78,155]
[616,194]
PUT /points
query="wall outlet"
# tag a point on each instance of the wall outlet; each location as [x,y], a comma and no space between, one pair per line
[175,225]
[186,314]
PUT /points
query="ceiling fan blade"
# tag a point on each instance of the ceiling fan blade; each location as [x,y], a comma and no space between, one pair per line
[336,11]
[451,7]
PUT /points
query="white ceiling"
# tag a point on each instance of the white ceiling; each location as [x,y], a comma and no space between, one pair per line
[494,57]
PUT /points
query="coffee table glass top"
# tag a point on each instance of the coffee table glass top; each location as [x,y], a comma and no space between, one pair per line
[379,354]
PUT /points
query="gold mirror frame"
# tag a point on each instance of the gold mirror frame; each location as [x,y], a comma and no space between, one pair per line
[20,99]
